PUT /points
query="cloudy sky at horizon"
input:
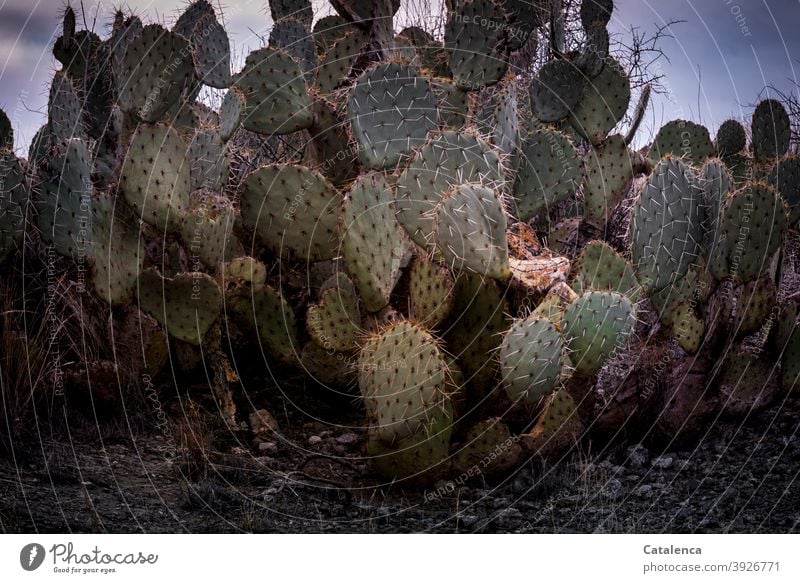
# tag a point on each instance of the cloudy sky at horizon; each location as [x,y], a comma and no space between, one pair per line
[730,49]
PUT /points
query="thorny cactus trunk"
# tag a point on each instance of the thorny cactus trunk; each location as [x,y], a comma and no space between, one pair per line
[395,244]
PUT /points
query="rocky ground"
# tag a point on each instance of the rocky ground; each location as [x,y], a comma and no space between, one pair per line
[738,478]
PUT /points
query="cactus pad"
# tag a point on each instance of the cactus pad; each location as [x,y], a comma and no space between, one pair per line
[336,64]
[557,428]
[771,131]
[488,448]
[291,36]
[186,305]
[604,103]
[666,227]
[609,169]
[684,139]
[276,97]
[785,178]
[299,9]
[597,325]
[402,378]
[447,160]
[474,36]
[549,172]
[391,111]
[334,322]
[731,138]
[556,90]
[470,231]
[155,178]
[373,244]
[117,252]
[64,110]
[14,194]
[267,312]
[599,267]
[530,359]
[430,292]
[293,210]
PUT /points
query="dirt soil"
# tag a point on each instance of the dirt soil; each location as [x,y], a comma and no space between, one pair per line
[739,478]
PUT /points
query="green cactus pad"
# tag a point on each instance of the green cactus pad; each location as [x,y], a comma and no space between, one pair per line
[293,210]
[597,325]
[328,368]
[754,222]
[118,251]
[474,36]
[716,181]
[186,305]
[299,9]
[373,244]
[430,292]
[731,138]
[447,160]
[64,110]
[429,52]
[505,134]
[601,268]
[208,160]
[391,110]
[364,10]
[684,139]
[609,169]
[79,54]
[785,178]
[771,130]
[291,36]
[329,147]
[155,177]
[65,204]
[6,132]
[14,195]
[276,97]
[604,103]
[420,457]
[478,322]
[594,56]
[247,269]
[524,16]
[453,104]
[530,359]
[328,30]
[193,14]
[556,90]
[337,63]
[549,172]
[402,377]
[230,113]
[207,230]
[557,428]
[154,72]
[686,325]
[470,231]
[335,322]
[555,303]
[488,448]
[754,303]
[211,52]
[666,226]
[267,312]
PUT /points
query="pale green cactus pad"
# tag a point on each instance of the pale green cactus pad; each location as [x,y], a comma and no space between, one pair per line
[430,292]
[474,37]
[604,103]
[334,322]
[530,359]
[186,305]
[267,312]
[556,90]
[601,268]
[609,169]
[785,178]
[684,139]
[14,195]
[293,210]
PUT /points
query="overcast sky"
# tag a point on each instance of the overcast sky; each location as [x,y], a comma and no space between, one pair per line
[735,46]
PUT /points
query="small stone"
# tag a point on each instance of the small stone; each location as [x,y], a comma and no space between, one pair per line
[347,439]
[268,447]
[644,491]
[612,489]
[262,422]
[637,455]
[468,520]
[662,462]
[314,440]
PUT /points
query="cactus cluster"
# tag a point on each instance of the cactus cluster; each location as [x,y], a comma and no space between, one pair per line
[392,237]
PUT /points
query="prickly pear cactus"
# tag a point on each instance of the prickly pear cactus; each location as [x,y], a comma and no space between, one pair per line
[597,325]
[609,169]
[402,378]
[334,322]
[601,268]
[186,305]
[474,36]
[470,231]
[731,138]
[391,108]
[785,178]
[430,291]
[155,178]
[117,252]
[293,211]
[488,448]
[666,227]
[246,269]
[557,428]
[445,161]
[265,311]
[14,196]
[291,35]
[276,96]
[6,132]
[604,103]
[771,131]
[549,172]
[530,359]
[684,139]
[556,90]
